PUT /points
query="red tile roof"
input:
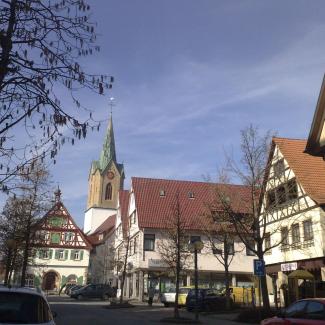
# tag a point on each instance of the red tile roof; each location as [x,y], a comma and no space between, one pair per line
[309,170]
[107,225]
[155,211]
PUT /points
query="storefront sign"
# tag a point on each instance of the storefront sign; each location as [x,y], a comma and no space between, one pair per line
[289,266]
[156,263]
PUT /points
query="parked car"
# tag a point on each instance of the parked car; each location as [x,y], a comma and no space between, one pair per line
[102,291]
[24,306]
[182,295]
[208,299]
[74,288]
[68,287]
[305,311]
[168,298]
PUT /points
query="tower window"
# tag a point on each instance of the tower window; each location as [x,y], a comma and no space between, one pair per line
[108,192]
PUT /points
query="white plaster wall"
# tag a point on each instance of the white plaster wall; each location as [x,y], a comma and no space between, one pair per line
[241,263]
[94,217]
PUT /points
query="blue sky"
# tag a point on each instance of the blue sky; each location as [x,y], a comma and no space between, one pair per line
[189,75]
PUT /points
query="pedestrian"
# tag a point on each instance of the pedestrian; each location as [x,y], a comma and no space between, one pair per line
[151,294]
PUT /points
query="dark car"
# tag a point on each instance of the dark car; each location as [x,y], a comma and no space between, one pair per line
[68,287]
[102,291]
[304,312]
[74,288]
[208,299]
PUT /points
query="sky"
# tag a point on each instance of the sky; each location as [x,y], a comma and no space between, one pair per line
[189,75]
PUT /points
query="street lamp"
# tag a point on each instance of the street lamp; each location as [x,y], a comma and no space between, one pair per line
[196,246]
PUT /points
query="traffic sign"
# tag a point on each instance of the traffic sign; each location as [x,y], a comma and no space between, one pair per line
[259,267]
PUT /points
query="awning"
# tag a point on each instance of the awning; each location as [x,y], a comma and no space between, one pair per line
[301,274]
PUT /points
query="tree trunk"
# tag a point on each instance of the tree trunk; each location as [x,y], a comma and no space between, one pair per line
[227,282]
[8,267]
[26,254]
[265,294]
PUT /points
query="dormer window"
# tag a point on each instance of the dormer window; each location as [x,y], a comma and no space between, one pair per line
[191,195]
[162,193]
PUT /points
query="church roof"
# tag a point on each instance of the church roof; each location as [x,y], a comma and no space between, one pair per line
[108,153]
[155,210]
[309,170]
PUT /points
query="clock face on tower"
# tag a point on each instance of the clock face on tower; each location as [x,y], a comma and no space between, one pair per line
[110,175]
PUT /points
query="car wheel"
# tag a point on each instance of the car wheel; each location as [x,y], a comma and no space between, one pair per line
[79,297]
[166,304]
[105,297]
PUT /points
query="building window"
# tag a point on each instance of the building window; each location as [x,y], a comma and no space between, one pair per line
[292,189]
[68,236]
[131,247]
[267,240]
[295,232]
[135,245]
[249,247]
[271,202]
[281,195]
[191,195]
[76,255]
[162,193]
[29,281]
[149,242]
[60,254]
[279,168]
[44,254]
[55,237]
[308,230]
[230,247]
[284,236]
[108,192]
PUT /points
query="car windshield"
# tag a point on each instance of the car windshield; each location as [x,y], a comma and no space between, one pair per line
[23,308]
[184,290]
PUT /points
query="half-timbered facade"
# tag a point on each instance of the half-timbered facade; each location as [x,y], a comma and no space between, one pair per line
[62,250]
[293,211]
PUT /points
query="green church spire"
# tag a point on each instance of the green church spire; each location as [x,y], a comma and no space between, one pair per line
[108,153]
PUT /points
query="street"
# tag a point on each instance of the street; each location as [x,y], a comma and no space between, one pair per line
[73,312]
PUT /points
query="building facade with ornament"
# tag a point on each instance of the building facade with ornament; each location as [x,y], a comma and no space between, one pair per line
[61,250]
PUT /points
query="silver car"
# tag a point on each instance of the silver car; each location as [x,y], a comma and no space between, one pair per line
[24,306]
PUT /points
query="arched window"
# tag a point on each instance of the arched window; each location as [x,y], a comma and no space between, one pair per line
[108,192]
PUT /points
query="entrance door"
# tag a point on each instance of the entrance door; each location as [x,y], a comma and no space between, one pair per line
[49,281]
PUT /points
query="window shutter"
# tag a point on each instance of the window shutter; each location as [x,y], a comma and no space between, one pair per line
[72,254]
[50,253]
[81,255]
[66,254]
[57,254]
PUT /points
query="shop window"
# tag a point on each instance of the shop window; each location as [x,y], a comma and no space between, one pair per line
[295,232]
[308,230]
[149,242]
[108,192]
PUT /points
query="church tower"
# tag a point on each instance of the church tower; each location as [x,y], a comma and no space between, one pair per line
[106,178]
